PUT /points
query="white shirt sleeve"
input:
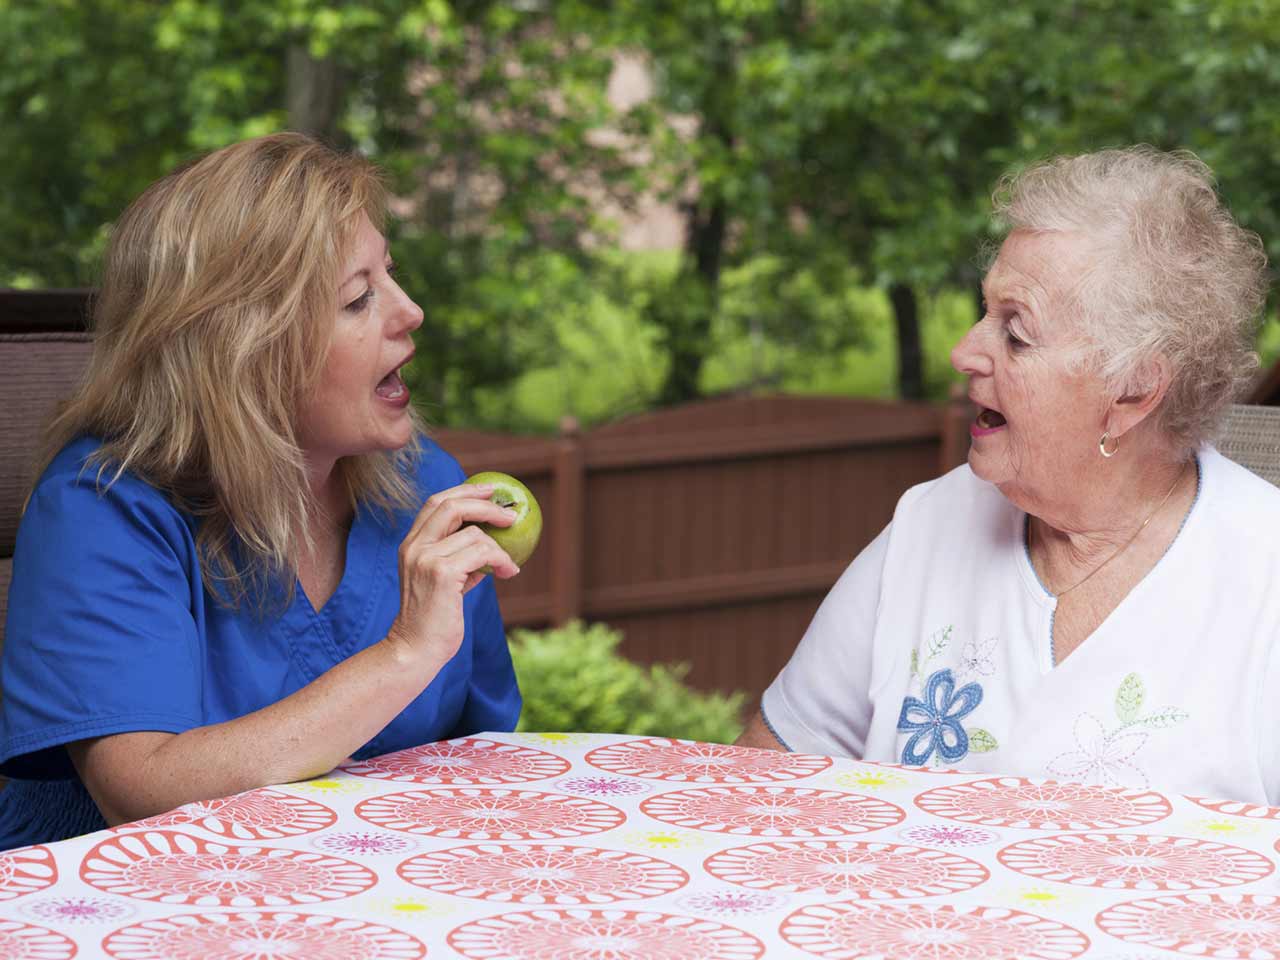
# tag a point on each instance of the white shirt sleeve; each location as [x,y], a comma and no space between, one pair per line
[1269,727]
[821,702]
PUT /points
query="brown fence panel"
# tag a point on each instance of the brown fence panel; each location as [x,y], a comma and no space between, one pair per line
[710,533]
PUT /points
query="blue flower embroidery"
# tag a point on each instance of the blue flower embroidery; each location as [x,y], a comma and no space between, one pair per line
[935,720]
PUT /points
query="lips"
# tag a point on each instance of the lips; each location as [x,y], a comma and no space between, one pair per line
[987,422]
[392,388]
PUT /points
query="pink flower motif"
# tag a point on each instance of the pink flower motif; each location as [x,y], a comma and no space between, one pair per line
[1102,758]
[604,786]
[77,910]
[731,903]
[370,844]
[946,835]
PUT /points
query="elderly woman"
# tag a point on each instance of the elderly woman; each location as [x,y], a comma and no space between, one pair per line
[242,561]
[1094,596]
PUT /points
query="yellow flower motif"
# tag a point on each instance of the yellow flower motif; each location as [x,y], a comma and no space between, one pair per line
[552,738]
[1043,897]
[664,839]
[871,779]
[331,785]
[410,908]
[1223,827]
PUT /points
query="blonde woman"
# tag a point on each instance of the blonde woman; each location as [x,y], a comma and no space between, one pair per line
[243,562]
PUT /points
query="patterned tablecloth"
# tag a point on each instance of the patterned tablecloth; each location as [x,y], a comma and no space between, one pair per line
[602,847]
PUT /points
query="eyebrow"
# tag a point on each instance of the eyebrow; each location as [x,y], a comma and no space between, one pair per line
[364,271]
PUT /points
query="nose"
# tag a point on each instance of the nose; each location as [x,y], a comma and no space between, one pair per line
[970,356]
[408,314]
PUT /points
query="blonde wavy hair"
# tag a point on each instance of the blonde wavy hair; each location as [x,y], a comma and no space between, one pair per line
[1172,274]
[211,325]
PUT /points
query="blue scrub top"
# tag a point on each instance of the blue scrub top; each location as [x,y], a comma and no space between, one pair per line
[110,629]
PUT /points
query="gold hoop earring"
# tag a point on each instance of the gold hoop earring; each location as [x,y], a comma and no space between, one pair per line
[1102,445]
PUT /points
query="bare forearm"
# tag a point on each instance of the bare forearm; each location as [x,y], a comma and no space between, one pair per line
[303,735]
[758,734]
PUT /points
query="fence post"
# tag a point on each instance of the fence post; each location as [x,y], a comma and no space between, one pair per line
[568,521]
[956,414]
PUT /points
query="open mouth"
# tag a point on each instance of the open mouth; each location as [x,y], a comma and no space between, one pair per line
[391,387]
[987,421]
[990,419]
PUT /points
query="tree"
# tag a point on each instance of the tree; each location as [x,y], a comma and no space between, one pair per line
[480,110]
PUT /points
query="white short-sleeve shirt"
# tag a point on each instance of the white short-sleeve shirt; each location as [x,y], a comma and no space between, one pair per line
[935,648]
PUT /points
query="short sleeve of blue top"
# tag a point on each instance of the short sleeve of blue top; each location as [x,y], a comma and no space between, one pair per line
[110,630]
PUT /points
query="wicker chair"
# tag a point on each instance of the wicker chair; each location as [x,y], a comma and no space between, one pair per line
[1251,437]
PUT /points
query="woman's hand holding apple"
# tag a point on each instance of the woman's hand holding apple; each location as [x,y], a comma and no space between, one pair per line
[444,555]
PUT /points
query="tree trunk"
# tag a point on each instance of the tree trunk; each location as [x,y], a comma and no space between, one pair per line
[694,298]
[312,93]
[906,315]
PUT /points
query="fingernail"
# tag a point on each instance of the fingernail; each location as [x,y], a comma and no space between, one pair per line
[510,513]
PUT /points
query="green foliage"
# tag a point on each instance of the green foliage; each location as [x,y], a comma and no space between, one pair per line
[574,680]
[821,150]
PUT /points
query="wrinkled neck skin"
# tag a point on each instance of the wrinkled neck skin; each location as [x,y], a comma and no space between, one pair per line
[1092,510]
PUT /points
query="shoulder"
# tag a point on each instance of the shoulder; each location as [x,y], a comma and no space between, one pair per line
[1236,514]
[1230,489]
[957,500]
[80,486]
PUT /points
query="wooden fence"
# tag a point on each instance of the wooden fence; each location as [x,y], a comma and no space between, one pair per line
[710,533]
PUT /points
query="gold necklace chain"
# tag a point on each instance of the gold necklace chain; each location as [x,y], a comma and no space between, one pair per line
[1125,546]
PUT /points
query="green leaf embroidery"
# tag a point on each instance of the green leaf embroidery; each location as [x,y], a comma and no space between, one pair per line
[915,663]
[1162,718]
[1129,698]
[938,642]
[980,741]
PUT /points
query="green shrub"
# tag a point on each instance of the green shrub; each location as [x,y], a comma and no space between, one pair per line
[574,680]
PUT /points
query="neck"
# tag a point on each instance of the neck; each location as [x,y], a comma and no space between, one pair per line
[1104,510]
[330,506]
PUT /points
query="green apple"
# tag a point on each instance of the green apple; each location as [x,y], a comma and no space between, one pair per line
[519,539]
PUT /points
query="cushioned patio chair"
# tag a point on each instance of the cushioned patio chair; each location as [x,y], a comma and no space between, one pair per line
[1251,437]
[44,347]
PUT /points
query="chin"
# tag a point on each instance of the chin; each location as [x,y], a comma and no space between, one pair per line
[983,468]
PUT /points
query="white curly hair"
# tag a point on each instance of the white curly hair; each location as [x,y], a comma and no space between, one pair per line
[1172,274]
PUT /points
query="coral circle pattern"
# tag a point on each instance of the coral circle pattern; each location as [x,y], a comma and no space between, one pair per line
[555,874]
[1200,924]
[601,935]
[261,936]
[25,871]
[683,761]
[919,932]
[855,869]
[772,811]
[471,761]
[24,941]
[176,868]
[1135,861]
[1034,805]
[261,815]
[489,814]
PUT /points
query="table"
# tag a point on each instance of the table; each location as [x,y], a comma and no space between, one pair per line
[605,847]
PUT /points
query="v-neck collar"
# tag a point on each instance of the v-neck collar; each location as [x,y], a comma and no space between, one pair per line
[1041,594]
[338,625]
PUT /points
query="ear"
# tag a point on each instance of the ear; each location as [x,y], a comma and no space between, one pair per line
[1142,399]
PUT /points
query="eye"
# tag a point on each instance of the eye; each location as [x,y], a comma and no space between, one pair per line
[1015,341]
[391,268]
[359,303]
